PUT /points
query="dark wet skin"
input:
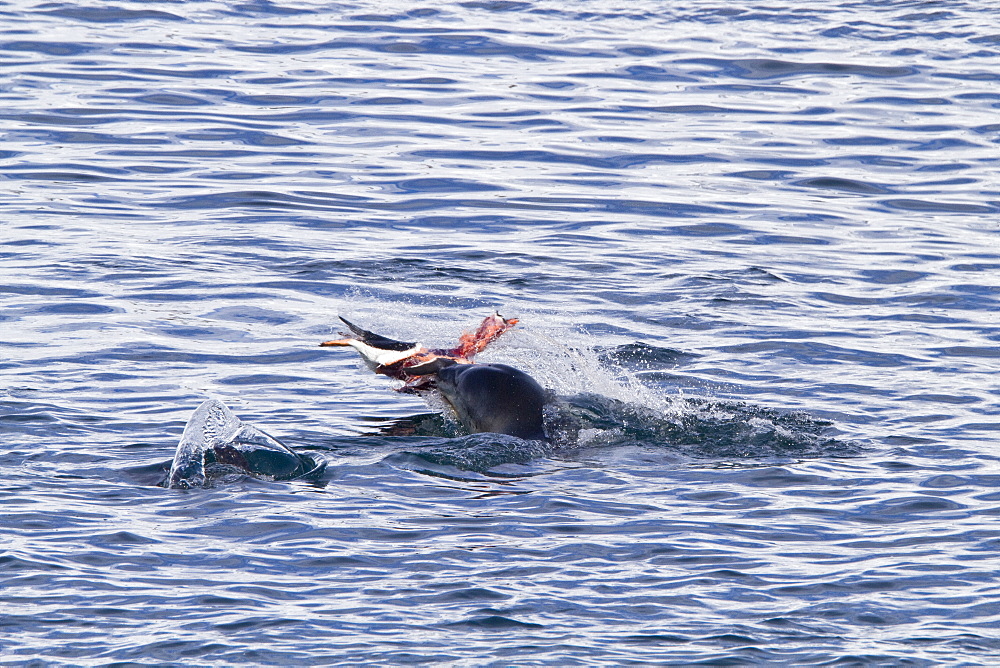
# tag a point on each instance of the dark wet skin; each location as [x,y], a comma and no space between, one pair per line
[494,398]
[277,464]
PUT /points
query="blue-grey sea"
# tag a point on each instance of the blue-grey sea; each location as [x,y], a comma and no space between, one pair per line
[754,248]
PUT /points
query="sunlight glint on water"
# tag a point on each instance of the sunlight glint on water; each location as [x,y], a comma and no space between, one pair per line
[753,250]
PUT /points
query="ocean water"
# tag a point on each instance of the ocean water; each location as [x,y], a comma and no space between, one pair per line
[754,248]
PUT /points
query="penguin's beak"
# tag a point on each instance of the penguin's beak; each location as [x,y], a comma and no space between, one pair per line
[337,342]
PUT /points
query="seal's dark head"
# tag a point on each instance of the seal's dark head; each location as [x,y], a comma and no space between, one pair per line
[494,398]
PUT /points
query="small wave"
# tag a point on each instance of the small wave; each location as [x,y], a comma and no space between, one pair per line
[763,68]
[477,452]
[938,207]
[112,14]
[844,185]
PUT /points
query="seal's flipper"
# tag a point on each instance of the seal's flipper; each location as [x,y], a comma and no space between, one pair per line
[256,452]
[210,423]
[214,436]
[377,340]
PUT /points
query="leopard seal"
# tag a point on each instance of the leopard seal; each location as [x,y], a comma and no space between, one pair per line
[486,398]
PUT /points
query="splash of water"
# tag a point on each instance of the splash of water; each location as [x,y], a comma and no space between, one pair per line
[599,402]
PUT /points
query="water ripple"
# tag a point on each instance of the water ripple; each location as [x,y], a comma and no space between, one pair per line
[752,250]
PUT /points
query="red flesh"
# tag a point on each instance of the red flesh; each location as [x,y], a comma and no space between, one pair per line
[469,344]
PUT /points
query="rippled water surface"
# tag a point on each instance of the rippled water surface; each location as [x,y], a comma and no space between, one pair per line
[754,247]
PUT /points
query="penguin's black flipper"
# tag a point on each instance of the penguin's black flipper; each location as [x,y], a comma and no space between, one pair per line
[377,340]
